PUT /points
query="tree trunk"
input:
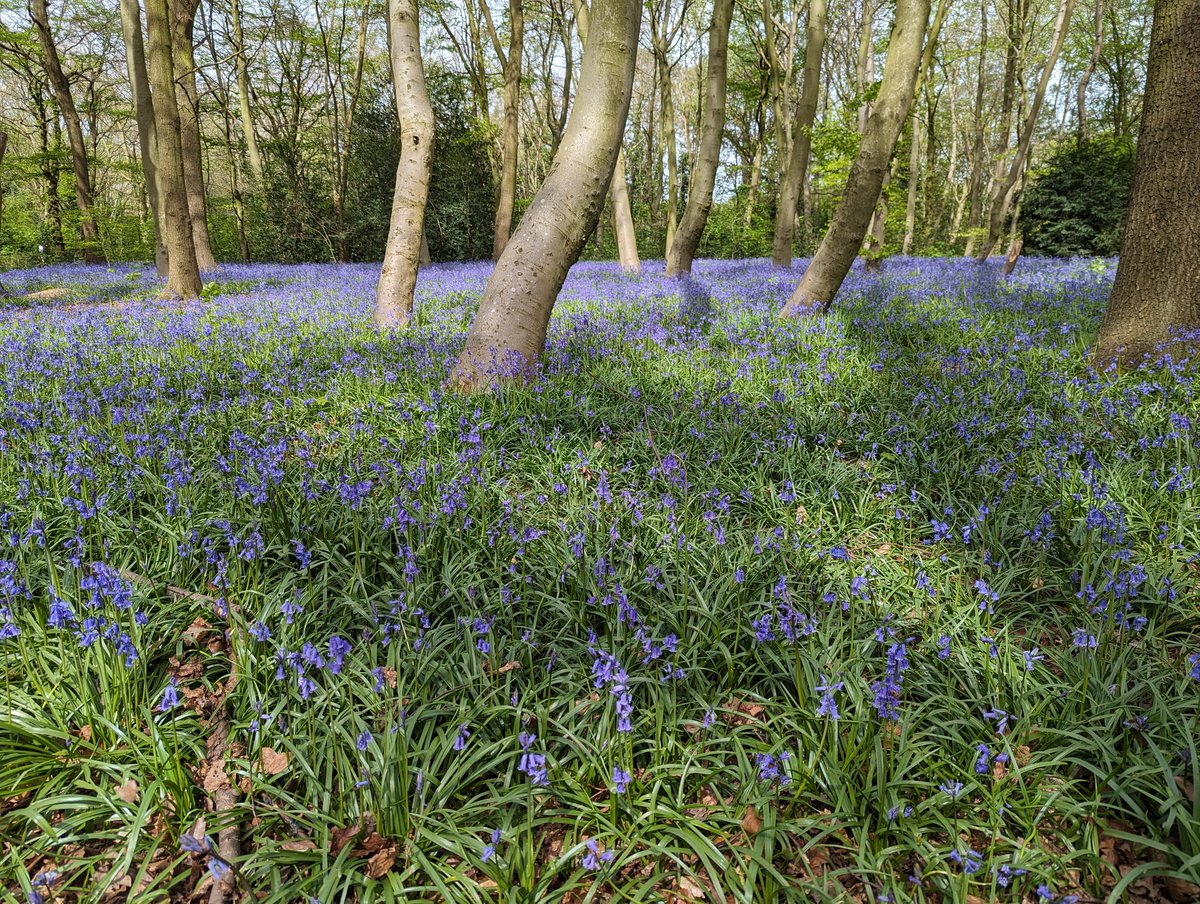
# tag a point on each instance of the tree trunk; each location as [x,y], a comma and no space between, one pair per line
[143,108]
[626,232]
[1002,196]
[253,156]
[49,169]
[39,14]
[183,273]
[792,186]
[1081,92]
[708,157]
[910,206]
[509,331]
[511,62]
[1157,289]
[667,129]
[398,278]
[975,211]
[877,234]
[840,245]
[183,25]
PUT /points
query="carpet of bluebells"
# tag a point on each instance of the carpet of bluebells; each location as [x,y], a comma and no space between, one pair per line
[897,604]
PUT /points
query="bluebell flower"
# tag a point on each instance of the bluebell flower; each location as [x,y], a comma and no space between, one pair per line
[489,849]
[460,738]
[594,856]
[620,779]
[170,697]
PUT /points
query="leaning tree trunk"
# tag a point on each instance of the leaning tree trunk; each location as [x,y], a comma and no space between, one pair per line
[618,192]
[183,273]
[792,187]
[840,245]
[708,156]
[402,257]
[1158,278]
[509,331]
[1003,193]
[184,55]
[39,13]
[143,109]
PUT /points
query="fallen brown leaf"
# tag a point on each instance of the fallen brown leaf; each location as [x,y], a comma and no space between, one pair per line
[381,863]
[751,824]
[339,838]
[272,761]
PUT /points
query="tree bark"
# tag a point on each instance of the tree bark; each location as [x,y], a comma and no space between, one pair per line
[840,245]
[792,186]
[253,155]
[708,157]
[402,258]
[183,26]
[39,14]
[1002,196]
[143,108]
[618,192]
[183,273]
[975,211]
[1157,289]
[511,63]
[1081,92]
[509,331]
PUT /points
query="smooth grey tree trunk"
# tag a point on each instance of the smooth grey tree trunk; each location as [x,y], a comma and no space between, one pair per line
[402,257]
[39,14]
[618,192]
[183,273]
[1157,289]
[509,331]
[791,188]
[143,109]
[840,245]
[708,158]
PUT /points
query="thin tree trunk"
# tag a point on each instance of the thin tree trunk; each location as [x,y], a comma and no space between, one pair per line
[143,107]
[877,234]
[39,14]
[840,245]
[1157,289]
[49,169]
[1081,92]
[183,14]
[1002,195]
[401,259]
[708,156]
[793,184]
[975,190]
[253,155]
[235,157]
[667,131]
[509,331]
[511,63]
[910,207]
[183,273]
[626,232]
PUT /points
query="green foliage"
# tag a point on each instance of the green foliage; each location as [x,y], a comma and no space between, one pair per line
[1077,202]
